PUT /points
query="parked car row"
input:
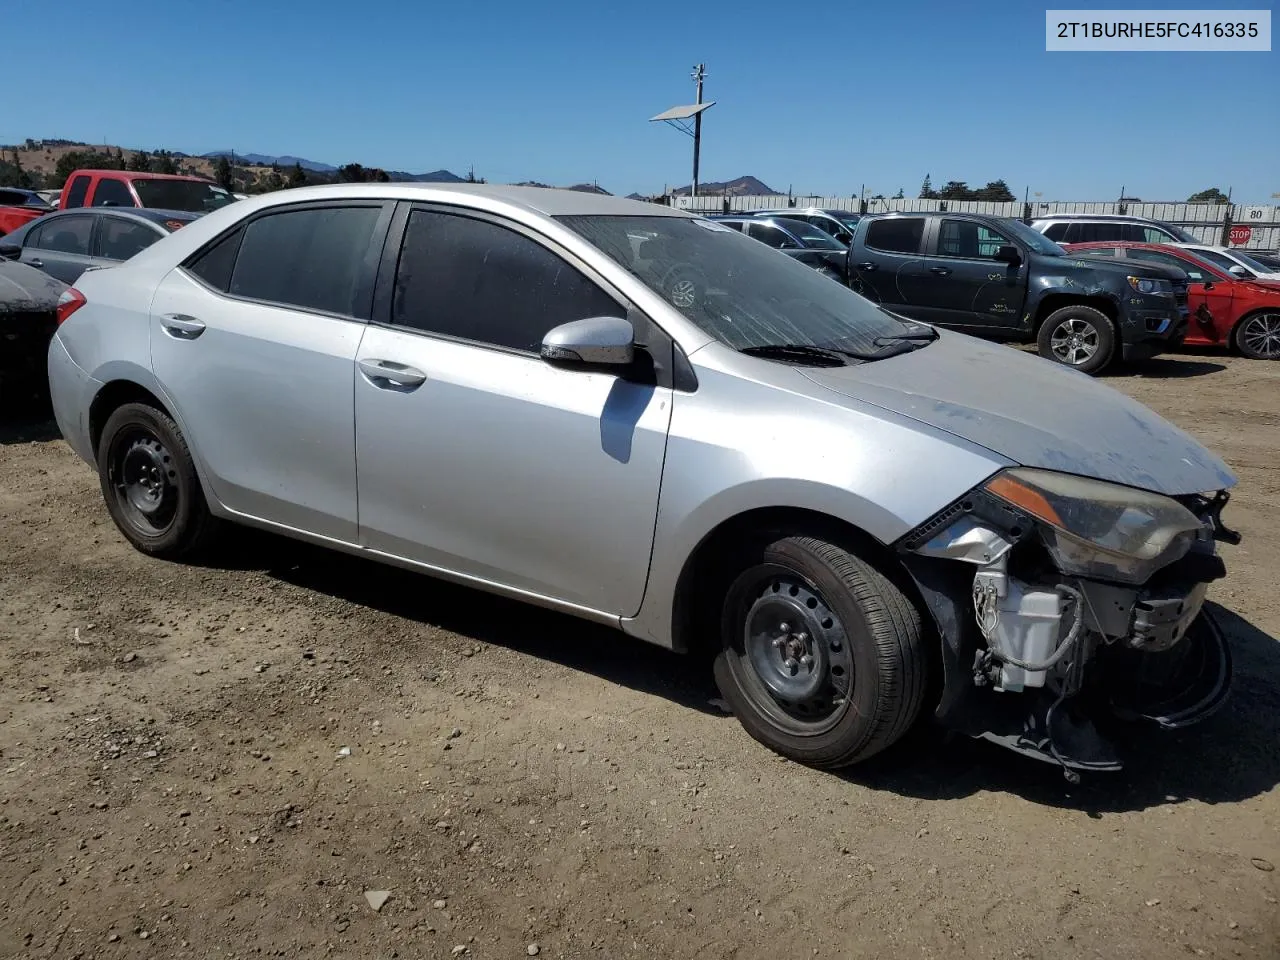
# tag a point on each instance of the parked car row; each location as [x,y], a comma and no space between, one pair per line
[999,277]
[866,520]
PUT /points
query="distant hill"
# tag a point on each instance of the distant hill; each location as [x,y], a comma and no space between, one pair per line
[435,176]
[741,187]
[580,187]
[266,160]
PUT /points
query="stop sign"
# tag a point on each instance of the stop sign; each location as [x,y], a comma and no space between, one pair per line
[1240,234]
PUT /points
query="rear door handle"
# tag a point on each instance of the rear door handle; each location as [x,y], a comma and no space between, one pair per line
[865,266]
[36,262]
[384,372]
[940,271]
[182,326]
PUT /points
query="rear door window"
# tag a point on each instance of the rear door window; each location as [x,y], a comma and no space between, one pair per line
[112,193]
[120,239]
[1057,232]
[896,234]
[767,233]
[318,258]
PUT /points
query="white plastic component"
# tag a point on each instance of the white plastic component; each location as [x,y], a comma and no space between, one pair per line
[1028,628]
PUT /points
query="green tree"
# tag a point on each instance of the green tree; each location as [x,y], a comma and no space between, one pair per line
[140,161]
[899,195]
[12,174]
[297,176]
[955,190]
[926,189]
[222,173]
[162,162]
[351,173]
[995,190]
[1212,195]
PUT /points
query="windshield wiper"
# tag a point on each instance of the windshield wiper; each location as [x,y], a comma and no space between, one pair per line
[797,353]
[927,334]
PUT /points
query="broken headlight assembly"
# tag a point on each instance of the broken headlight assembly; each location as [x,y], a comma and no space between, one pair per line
[1099,530]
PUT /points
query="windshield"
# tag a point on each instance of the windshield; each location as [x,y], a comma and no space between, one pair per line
[1034,239]
[192,196]
[815,238]
[738,290]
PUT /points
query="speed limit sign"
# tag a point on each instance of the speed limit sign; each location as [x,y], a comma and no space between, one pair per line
[1240,234]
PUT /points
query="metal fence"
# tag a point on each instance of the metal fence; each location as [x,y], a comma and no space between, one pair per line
[1209,222]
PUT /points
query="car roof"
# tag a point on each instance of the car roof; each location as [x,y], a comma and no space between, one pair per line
[1098,216]
[783,211]
[143,175]
[150,214]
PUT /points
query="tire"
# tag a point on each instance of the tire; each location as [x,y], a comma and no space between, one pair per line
[150,485]
[1078,332]
[868,667]
[1257,336]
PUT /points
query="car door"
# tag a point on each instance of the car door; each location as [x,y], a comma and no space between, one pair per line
[964,285]
[1209,296]
[61,246]
[886,266]
[477,457]
[254,340]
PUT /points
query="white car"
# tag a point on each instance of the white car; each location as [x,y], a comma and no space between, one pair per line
[1236,262]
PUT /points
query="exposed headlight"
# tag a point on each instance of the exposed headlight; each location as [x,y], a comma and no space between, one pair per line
[1147,285]
[1100,530]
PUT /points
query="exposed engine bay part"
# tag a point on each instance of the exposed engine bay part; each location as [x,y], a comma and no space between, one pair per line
[1084,599]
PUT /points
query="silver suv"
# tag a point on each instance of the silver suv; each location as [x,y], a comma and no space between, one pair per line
[868,521]
[1090,227]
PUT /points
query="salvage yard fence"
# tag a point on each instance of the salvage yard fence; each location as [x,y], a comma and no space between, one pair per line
[1209,222]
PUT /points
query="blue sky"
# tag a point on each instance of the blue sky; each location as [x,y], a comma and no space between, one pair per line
[821,98]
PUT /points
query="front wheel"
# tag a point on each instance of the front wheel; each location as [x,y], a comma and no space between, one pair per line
[1258,336]
[823,659]
[1079,337]
[150,485]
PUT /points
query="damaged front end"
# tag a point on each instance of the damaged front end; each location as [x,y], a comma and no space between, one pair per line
[1064,602]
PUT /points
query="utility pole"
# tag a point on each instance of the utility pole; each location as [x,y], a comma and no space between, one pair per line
[699,73]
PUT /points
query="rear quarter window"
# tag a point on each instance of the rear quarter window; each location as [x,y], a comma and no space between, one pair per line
[79,187]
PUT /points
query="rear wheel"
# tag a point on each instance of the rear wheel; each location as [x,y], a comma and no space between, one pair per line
[1079,337]
[1258,335]
[823,658]
[150,485]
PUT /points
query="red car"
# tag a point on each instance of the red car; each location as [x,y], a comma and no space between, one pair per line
[19,207]
[125,188]
[1225,310]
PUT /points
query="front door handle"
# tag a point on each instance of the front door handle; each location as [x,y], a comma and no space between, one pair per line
[865,266]
[36,262]
[182,326]
[384,372]
[940,271]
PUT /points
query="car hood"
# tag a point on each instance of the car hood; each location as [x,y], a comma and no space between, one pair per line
[1126,267]
[1032,411]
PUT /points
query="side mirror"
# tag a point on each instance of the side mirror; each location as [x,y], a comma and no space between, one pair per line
[10,251]
[594,342]
[1007,253]
[1239,271]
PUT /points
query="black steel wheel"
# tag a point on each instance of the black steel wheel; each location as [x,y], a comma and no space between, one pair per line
[823,658]
[150,485]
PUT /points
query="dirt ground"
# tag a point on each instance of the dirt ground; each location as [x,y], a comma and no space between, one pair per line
[222,761]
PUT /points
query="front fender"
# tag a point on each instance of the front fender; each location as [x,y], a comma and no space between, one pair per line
[730,454]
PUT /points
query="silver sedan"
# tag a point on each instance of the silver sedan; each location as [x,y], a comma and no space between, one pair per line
[640,417]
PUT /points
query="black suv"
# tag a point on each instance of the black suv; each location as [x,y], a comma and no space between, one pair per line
[998,277]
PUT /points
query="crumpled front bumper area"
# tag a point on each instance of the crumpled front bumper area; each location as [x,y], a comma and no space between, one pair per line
[1173,688]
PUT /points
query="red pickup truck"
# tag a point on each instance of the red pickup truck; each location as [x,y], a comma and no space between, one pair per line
[125,188]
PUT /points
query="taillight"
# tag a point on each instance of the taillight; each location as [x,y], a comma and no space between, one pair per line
[174,224]
[70,301]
